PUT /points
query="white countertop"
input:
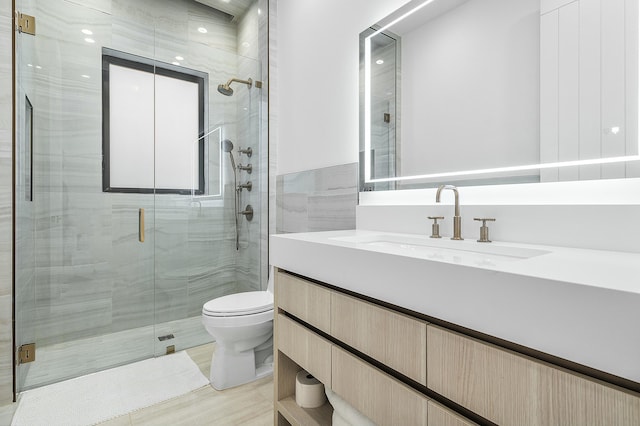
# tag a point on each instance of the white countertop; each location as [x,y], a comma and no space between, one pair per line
[577,304]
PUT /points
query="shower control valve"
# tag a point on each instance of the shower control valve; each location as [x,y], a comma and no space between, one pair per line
[247,212]
[246,186]
[248,168]
[247,151]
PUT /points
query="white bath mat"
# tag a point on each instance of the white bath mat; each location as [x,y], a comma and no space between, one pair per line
[101,396]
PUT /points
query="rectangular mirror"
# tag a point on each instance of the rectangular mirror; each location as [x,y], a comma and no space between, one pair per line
[477,92]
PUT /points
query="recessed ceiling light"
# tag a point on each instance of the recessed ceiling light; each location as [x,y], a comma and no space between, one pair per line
[246,44]
[87,32]
[203,30]
[29,65]
[259,11]
[89,40]
[379,62]
[85,76]
[179,58]
[175,63]
[38,67]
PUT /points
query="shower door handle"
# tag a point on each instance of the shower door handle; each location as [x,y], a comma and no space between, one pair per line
[141,225]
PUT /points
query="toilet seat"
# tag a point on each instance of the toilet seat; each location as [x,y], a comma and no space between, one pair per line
[239,304]
[240,309]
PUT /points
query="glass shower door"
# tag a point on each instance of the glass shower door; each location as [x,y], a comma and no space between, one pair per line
[84,279]
[196,255]
[125,124]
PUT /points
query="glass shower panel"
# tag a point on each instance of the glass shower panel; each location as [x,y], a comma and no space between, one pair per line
[90,291]
[196,256]
[84,282]
[248,258]
[25,271]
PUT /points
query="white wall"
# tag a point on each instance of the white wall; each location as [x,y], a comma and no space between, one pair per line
[318,115]
[317,78]
[477,64]
[317,73]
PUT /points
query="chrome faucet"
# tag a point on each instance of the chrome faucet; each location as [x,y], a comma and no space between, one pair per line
[457,220]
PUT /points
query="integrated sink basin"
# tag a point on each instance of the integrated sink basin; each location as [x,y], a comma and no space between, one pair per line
[443,249]
[576,304]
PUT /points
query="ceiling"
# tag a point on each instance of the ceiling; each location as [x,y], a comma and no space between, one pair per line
[235,8]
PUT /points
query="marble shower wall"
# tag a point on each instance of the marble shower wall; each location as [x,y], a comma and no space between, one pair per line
[317,200]
[6,186]
[270,65]
[251,42]
[92,276]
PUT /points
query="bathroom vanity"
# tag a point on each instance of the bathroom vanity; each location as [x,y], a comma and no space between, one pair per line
[413,331]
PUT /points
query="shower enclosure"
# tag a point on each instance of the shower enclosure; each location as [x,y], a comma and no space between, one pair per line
[125,200]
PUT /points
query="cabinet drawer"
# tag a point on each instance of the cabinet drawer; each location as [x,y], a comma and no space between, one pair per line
[394,339]
[442,416]
[304,347]
[509,388]
[303,299]
[374,393]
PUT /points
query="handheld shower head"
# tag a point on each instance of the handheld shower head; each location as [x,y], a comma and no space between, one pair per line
[226,89]
[227,146]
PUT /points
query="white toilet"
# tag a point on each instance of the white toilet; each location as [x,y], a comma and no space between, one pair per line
[242,325]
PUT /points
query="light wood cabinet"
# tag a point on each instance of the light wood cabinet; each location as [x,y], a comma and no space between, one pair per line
[441,416]
[509,388]
[488,381]
[381,333]
[305,300]
[383,399]
[394,339]
[297,348]
[305,348]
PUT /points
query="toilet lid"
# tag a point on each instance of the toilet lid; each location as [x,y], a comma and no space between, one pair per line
[251,302]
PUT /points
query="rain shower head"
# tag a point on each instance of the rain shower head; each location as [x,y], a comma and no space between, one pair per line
[226,89]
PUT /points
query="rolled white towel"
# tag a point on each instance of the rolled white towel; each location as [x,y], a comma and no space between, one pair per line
[346,414]
[338,420]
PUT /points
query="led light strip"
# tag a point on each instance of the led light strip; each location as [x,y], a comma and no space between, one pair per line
[367,127]
[514,168]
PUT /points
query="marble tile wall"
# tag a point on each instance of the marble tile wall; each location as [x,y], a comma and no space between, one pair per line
[265,184]
[6,184]
[272,118]
[317,200]
[90,274]
[251,130]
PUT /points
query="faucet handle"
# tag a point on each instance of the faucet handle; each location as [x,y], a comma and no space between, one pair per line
[484,229]
[435,228]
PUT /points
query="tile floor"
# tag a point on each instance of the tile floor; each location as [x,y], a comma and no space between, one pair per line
[250,404]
